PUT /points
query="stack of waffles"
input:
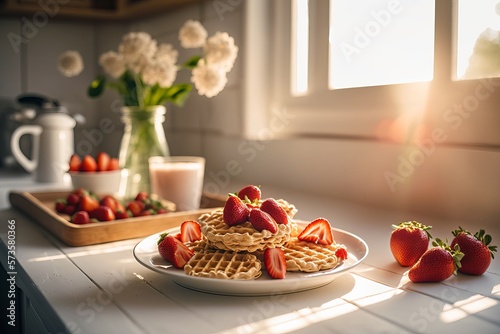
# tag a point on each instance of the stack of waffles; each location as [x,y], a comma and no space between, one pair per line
[236,251]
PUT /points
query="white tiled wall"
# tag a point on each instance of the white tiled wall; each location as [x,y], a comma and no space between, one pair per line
[450,181]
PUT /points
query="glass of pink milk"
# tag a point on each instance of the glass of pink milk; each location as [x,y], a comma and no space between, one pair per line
[178,179]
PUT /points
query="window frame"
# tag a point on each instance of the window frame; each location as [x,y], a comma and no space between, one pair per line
[352,113]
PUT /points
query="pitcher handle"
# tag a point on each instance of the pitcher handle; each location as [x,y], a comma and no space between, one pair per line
[35,131]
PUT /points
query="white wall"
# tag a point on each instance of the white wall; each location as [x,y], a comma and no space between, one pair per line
[448,181]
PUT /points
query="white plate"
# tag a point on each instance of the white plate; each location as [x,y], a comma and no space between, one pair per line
[146,253]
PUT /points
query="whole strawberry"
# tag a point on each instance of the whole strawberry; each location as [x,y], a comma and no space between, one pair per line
[272,207]
[250,193]
[437,263]
[261,220]
[235,212]
[476,249]
[409,241]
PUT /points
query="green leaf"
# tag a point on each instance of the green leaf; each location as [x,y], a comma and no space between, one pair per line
[192,62]
[179,94]
[96,87]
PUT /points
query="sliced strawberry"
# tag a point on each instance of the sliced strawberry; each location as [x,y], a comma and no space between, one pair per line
[103,214]
[80,217]
[341,253]
[88,164]
[103,161]
[74,163]
[262,221]
[174,251]
[235,211]
[275,262]
[276,211]
[250,193]
[113,164]
[190,231]
[318,232]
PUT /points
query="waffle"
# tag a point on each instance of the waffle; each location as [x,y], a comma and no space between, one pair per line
[310,257]
[244,237]
[223,265]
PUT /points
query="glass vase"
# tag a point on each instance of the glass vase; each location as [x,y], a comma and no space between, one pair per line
[143,137]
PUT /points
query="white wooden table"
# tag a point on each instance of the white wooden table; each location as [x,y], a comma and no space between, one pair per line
[103,289]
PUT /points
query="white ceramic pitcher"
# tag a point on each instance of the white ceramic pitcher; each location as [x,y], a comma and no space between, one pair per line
[53,145]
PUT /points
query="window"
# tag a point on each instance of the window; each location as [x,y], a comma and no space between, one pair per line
[346,69]
[382,42]
[478,39]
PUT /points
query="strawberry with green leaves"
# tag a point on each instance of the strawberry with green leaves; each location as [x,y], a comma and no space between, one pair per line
[477,250]
[235,212]
[249,193]
[409,241]
[436,264]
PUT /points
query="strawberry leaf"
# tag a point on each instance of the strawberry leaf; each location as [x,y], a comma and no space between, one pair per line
[413,225]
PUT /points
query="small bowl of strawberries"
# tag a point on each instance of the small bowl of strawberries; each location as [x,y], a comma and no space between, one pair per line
[101,174]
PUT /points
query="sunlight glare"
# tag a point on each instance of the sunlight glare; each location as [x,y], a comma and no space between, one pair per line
[477,304]
[381,42]
[300,47]
[452,315]
[375,299]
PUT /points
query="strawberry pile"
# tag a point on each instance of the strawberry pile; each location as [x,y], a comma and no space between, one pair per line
[244,206]
[102,163]
[467,253]
[85,207]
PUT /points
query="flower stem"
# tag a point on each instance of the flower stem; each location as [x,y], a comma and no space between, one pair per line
[139,91]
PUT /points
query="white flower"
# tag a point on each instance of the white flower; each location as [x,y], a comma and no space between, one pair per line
[166,54]
[192,34]
[163,74]
[221,50]
[113,63]
[138,66]
[136,46]
[70,63]
[209,80]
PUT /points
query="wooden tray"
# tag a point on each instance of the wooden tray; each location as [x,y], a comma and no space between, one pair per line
[40,207]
